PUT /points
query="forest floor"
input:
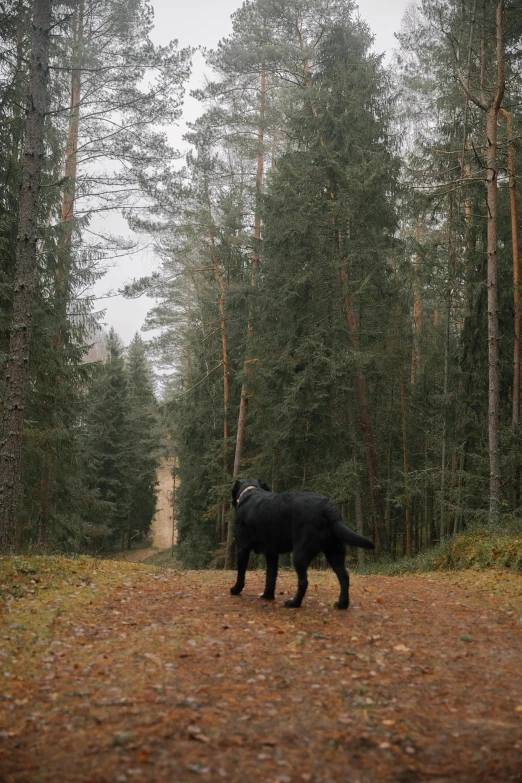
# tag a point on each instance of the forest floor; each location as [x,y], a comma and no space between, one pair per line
[114,671]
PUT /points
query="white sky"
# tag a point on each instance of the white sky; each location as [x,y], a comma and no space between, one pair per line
[204,23]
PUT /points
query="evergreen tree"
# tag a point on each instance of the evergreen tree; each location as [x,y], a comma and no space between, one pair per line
[144,439]
[321,246]
[17,375]
[110,472]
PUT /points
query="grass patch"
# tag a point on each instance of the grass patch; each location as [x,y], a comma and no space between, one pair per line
[36,590]
[475,549]
[163,559]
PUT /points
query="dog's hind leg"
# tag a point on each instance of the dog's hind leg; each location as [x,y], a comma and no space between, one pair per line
[242,564]
[272,564]
[336,559]
[301,563]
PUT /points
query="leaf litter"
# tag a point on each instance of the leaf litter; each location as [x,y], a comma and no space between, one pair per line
[115,671]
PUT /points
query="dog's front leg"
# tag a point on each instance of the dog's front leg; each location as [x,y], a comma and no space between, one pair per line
[272,564]
[242,564]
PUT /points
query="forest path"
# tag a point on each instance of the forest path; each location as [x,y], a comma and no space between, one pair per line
[122,672]
[161,532]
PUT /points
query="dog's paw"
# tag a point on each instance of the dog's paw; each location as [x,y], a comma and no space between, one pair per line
[339,605]
[267,596]
[235,590]
[292,604]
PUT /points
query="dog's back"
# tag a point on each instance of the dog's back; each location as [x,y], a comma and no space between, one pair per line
[276,522]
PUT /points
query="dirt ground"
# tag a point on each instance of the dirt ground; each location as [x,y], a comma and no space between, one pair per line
[121,672]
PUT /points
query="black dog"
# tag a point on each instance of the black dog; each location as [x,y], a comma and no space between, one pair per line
[302,522]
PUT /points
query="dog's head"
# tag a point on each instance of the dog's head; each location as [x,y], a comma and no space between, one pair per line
[241,484]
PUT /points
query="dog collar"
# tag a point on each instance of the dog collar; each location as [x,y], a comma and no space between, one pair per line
[245,490]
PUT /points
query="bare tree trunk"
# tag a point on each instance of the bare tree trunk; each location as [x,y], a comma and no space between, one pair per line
[364,411]
[442,525]
[359,523]
[516,286]
[417,309]
[173,502]
[407,498]
[493,335]
[491,108]
[17,372]
[516,263]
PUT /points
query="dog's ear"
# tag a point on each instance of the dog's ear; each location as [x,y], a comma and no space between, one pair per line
[263,485]
[235,492]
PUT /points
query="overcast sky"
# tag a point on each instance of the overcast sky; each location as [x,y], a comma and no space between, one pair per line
[204,23]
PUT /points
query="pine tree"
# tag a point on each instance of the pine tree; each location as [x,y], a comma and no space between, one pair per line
[17,372]
[144,439]
[110,472]
[320,246]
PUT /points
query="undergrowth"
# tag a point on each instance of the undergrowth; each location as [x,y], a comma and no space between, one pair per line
[164,559]
[477,549]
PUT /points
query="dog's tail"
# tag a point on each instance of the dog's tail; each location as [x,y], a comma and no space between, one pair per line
[347,535]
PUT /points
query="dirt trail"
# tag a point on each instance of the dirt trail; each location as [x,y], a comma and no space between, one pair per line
[161,528]
[166,677]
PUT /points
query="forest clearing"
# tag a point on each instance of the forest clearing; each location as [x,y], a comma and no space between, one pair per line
[116,672]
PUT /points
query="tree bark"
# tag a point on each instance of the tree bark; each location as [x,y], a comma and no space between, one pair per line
[417,308]
[491,108]
[407,499]
[359,523]
[516,263]
[364,411]
[492,281]
[442,520]
[17,372]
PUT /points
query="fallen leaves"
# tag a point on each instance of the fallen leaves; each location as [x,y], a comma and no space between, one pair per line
[153,658]
[179,695]
[195,733]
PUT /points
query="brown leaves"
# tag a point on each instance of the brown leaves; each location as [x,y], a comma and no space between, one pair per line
[195,733]
[186,681]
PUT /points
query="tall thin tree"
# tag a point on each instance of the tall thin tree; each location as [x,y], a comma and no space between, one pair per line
[17,373]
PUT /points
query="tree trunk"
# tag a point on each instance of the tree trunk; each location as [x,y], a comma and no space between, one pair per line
[516,263]
[17,372]
[364,411]
[417,308]
[359,523]
[407,499]
[493,334]
[442,525]
[491,108]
